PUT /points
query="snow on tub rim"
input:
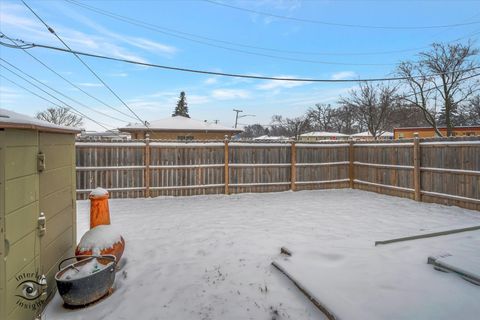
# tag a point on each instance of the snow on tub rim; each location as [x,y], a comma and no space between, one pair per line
[88,266]
[87,280]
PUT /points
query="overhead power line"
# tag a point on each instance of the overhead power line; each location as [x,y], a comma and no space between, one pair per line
[62,94]
[337,24]
[187,36]
[263,54]
[74,110]
[236,75]
[70,108]
[15,46]
[84,63]
[2,35]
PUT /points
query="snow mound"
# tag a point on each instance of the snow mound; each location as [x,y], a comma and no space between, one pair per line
[99,192]
[99,238]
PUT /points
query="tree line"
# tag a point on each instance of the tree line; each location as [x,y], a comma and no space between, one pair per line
[439,89]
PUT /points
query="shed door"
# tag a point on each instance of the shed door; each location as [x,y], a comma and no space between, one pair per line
[56,201]
[21,249]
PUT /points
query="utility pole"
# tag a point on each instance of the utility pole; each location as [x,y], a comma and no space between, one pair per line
[236,116]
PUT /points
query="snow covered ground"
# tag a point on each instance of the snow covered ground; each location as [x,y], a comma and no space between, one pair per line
[208,257]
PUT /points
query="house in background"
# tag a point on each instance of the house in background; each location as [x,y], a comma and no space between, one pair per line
[366,135]
[111,135]
[322,135]
[180,128]
[271,138]
[428,132]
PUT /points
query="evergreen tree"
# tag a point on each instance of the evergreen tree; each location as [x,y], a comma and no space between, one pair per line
[182,107]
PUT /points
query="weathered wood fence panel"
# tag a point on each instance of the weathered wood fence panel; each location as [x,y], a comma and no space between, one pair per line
[257,167]
[179,169]
[450,172]
[440,171]
[385,168]
[322,166]
[118,167]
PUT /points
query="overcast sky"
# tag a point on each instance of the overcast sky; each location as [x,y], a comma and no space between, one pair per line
[204,35]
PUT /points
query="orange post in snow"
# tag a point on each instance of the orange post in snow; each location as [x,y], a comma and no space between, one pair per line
[99,211]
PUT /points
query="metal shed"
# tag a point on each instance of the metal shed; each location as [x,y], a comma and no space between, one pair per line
[37,210]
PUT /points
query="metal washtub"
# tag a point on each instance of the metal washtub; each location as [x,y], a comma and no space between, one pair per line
[85,287]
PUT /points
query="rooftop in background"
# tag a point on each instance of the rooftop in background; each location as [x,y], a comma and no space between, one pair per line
[440,127]
[368,134]
[11,119]
[271,138]
[180,128]
[111,135]
[323,134]
[178,123]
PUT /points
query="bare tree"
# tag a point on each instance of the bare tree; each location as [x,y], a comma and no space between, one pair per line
[297,125]
[346,120]
[445,73]
[289,126]
[322,117]
[373,105]
[419,93]
[277,127]
[407,115]
[254,130]
[61,116]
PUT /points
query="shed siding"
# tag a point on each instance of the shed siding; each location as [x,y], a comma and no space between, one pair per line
[24,193]
[54,180]
[57,250]
[21,161]
[2,225]
[57,187]
[21,222]
[20,192]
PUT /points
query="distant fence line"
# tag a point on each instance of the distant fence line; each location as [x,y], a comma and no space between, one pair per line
[442,171]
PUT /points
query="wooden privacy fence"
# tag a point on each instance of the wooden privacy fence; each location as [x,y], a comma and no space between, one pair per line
[440,171]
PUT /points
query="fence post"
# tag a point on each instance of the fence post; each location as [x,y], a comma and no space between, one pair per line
[147,166]
[351,168]
[226,172]
[416,167]
[293,167]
